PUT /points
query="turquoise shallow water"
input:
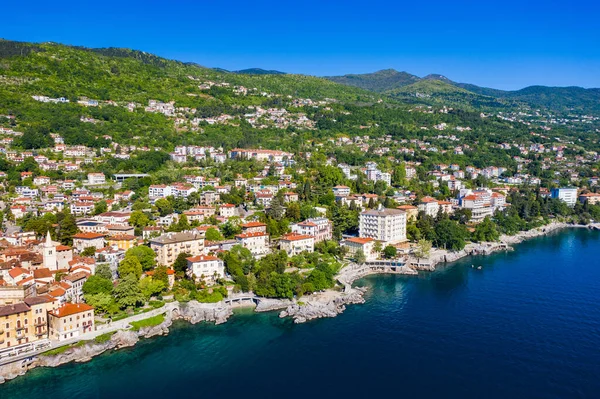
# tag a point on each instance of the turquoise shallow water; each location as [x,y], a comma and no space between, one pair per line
[525,326]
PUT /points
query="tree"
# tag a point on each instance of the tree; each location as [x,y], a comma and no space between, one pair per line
[139,219]
[160,274]
[145,255]
[102,302]
[292,211]
[128,293]
[276,209]
[180,264]
[100,207]
[450,235]
[164,206]
[183,224]
[151,287]
[486,231]
[377,247]
[97,284]
[213,234]
[103,270]
[89,251]
[359,256]
[423,248]
[390,252]
[130,266]
[67,227]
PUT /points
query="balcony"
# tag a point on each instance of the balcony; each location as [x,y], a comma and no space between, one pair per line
[40,323]
[40,333]
[19,328]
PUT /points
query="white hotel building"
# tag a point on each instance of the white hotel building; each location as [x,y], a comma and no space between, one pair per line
[383,224]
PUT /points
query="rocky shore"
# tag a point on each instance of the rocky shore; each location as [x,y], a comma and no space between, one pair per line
[327,304]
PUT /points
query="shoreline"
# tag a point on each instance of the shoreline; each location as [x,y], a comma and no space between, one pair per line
[329,303]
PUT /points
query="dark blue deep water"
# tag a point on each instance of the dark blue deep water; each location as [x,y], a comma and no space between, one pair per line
[525,326]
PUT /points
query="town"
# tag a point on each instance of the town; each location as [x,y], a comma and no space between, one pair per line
[103,228]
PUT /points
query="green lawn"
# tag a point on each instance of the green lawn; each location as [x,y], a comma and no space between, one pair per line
[151,322]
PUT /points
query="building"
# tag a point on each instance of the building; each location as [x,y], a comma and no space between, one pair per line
[383,224]
[96,178]
[566,194]
[70,320]
[429,205]
[257,243]
[320,228]
[411,211]
[82,241]
[590,198]
[295,243]
[206,267]
[254,227]
[122,241]
[227,210]
[168,246]
[341,191]
[16,325]
[366,245]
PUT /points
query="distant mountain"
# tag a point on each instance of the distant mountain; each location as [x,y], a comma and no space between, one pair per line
[415,89]
[259,71]
[252,71]
[380,81]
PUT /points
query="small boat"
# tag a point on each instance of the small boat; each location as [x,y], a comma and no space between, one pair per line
[479,267]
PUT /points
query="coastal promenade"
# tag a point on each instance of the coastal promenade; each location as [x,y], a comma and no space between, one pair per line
[27,353]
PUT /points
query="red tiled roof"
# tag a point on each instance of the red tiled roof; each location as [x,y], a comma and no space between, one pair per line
[69,309]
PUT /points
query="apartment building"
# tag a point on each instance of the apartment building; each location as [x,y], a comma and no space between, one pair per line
[169,246]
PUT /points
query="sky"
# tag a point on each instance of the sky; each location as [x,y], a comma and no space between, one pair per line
[501,44]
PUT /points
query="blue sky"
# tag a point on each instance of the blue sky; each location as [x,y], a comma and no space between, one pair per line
[502,44]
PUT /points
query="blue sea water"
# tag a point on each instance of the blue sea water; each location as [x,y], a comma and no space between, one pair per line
[525,326]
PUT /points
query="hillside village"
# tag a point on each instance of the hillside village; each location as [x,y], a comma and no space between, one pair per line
[86,240]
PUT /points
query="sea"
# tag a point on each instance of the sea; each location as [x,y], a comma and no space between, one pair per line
[526,324]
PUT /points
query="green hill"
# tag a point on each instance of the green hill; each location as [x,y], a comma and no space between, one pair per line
[432,91]
[380,81]
[558,99]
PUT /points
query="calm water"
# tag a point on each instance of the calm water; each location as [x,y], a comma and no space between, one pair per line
[526,326]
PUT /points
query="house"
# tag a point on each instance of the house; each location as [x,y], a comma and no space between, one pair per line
[206,267]
[290,196]
[320,228]
[227,210]
[80,208]
[18,325]
[590,198]
[341,191]
[411,211]
[257,242]
[383,224]
[168,246]
[76,280]
[96,178]
[122,241]
[70,320]
[294,243]
[429,205]
[82,241]
[113,218]
[119,229]
[253,227]
[366,245]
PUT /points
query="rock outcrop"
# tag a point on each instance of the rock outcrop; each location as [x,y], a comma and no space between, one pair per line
[318,307]
[270,304]
[195,312]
